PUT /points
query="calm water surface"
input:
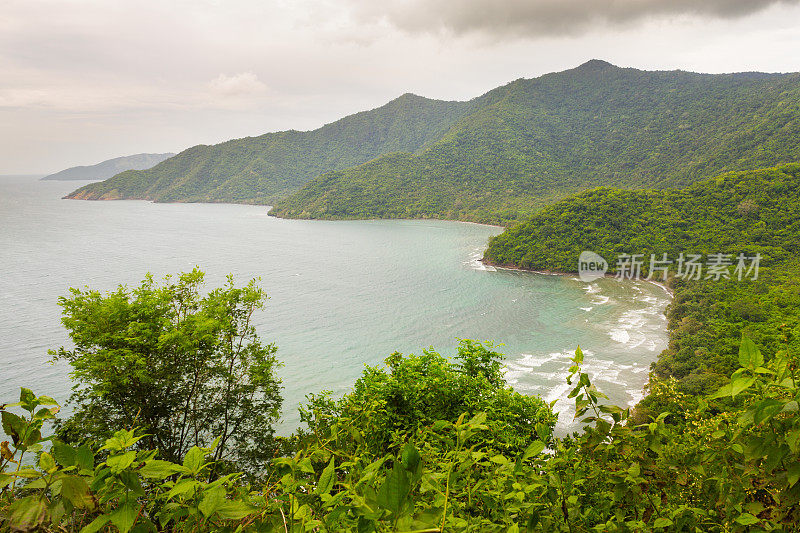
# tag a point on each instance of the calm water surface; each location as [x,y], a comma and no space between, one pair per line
[343,294]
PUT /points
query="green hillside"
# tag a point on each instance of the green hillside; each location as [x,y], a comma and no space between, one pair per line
[261,169]
[534,141]
[741,212]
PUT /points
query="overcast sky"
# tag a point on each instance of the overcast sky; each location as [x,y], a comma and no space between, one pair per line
[86,80]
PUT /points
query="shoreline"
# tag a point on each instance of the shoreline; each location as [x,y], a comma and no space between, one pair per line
[517,268]
[631,394]
[269,208]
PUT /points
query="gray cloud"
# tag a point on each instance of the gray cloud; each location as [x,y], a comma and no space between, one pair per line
[537,18]
[87,80]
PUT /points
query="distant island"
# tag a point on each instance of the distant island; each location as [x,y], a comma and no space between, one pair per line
[109,168]
[496,158]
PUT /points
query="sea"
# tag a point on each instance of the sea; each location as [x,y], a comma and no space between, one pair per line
[343,294]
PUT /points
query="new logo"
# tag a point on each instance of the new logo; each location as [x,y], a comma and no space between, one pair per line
[591,266]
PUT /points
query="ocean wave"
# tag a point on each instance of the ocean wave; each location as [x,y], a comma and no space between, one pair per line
[474,262]
[543,370]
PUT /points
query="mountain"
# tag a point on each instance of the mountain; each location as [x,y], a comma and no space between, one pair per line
[537,140]
[498,157]
[748,212]
[271,166]
[107,169]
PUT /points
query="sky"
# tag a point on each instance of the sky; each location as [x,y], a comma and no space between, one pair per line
[82,81]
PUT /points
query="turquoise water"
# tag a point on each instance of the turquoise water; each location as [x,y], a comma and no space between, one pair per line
[343,294]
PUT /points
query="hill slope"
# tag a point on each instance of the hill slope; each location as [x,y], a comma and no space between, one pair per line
[261,169]
[109,168]
[741,212]
[534,141]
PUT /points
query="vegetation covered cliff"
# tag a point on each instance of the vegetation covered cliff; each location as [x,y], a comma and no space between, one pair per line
[265,168]
[497,157]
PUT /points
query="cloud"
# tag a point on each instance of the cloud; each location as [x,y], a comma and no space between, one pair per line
[243,84]
[537,18]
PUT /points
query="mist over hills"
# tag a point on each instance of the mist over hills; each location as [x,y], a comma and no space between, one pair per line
[110,167]
[498,157]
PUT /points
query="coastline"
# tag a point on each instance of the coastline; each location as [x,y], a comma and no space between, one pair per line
[505,266]
[269,206]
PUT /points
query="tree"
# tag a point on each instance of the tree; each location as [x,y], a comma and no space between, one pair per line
[415,391]
[184,367]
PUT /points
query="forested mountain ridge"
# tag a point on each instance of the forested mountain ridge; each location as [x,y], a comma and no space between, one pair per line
[498,157]
[749,212]
[544,138]
[261,169]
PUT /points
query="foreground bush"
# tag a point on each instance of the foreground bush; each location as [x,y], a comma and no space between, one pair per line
[695,470]
[183,366]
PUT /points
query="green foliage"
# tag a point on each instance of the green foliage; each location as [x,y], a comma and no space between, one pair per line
[183,366]
[706,316]
[532,142]
[68,489]
[414,392]
[690,470]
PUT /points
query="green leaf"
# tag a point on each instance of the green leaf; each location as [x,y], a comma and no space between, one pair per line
[28,473]
[737,385]
[76,490]
[749,355]
[13,426]
[194,460]
[746,519]
[793,440]
[183,487]
[96,524]
[125,516]
[410,457]
[131,481]
[46,462]
[578,356]
[121,440]
[157,469]
[27,399]
[793,473]
[634,470]
[325,483]
[45,413]
[662,522]
[478,420]
[63,453]
[306,466]
[46,400]
[533,449]
[84,457]
[212,499]
[27,513]
[235,510]
[740,384]
[766,409]
[118,463]
[394,490]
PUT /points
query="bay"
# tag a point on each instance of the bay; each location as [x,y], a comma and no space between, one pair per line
[343,294]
